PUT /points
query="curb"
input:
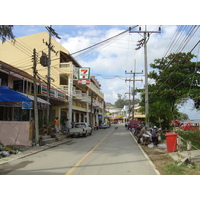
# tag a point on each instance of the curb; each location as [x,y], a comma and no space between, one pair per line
[145,154]
[32,151]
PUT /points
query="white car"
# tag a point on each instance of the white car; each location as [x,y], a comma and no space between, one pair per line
[81,129]
[104,126]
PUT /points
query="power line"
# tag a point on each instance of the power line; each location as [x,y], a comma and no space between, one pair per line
[96,46]
[143,42]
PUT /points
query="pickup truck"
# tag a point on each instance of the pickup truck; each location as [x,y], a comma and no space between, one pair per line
[80,129]
[190,126]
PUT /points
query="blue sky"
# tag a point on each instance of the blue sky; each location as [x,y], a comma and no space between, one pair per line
[109,62]
[84,23]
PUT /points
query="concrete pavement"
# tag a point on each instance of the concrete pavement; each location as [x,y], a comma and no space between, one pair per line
[33,150]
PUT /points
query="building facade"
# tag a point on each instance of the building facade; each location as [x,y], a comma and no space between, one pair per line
[68,99]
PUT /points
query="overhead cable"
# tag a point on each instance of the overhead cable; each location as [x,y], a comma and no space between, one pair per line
[104,41]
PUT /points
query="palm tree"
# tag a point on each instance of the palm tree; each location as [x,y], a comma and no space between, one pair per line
[6,32]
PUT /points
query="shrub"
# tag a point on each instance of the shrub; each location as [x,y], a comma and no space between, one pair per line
[173,169]
[192,135]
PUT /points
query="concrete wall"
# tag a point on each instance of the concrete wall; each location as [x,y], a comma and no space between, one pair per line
[16,133]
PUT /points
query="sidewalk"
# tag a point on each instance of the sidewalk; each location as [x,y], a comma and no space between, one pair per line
[179,156]
[33,150]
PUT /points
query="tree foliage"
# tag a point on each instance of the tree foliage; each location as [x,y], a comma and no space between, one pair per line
[123,100]
[6,32]
[176,78]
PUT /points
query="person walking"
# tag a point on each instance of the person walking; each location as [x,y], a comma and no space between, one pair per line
[143,131]
[67,127]
[155,136]
[56,125]
[73,124]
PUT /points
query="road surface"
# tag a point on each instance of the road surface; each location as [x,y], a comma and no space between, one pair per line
[107,152]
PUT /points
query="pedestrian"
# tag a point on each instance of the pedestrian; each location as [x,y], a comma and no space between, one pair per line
[73,124]
[137,130]
[96,127]
[56,125]
[140,135]
[155,136]
[67,127]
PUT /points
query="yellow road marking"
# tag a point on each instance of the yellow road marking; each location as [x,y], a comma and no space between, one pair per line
[86,155]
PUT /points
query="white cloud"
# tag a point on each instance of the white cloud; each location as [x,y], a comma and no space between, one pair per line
[115,58]
[74,44]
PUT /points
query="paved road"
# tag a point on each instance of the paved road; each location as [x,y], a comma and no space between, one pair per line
[106,152]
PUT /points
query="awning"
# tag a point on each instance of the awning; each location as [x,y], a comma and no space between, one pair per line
[8,95]
[38,98]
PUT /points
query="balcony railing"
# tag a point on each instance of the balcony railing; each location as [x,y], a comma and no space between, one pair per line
[65,88]
[78,94]
[84,97]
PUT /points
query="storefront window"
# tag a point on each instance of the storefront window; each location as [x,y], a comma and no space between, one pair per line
[21,114]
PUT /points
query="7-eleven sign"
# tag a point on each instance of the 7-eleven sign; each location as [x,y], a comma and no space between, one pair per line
[84,73]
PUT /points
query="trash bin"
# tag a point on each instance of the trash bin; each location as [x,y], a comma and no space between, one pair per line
[171,141]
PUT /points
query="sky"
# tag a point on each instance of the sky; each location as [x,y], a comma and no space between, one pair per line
[80,19]
[110,63]
[85,25]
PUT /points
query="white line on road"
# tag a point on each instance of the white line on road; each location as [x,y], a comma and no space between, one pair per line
[147,157]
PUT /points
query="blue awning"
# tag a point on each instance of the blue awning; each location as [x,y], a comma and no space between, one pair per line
[8,95]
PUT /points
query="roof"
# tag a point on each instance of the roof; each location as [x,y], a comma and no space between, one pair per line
[8,95]
[10,68]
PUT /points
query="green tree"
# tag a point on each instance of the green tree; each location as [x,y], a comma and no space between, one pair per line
[122,100]
[183,116]
[6,32]
[176,78]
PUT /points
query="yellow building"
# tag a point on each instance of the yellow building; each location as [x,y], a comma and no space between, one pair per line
[82,103]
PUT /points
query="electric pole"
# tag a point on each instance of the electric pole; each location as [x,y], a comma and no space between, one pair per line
[143,42]
[50,48]
[129,98]
[133,91]
[91,110]
[36,125]
[48,82]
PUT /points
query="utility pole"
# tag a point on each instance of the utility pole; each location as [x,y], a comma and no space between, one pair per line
[50,48]
[133,91]
[129,98]
[143,42]
[36,125]
[48,82]
[91,118]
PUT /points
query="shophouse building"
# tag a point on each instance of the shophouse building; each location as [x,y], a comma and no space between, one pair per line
[68,98]
[16,106]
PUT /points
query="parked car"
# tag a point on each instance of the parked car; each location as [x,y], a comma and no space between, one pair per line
[104,126]
[131,124]
[80,129]
[190,126]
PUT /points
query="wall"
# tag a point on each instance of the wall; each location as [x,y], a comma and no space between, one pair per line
[16,133]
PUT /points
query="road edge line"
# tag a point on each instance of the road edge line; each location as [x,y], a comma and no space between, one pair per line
[147,157]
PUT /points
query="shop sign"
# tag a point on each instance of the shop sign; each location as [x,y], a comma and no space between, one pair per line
[84,73]
[53,92]
[87,82]
[61,95]
[27,105]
